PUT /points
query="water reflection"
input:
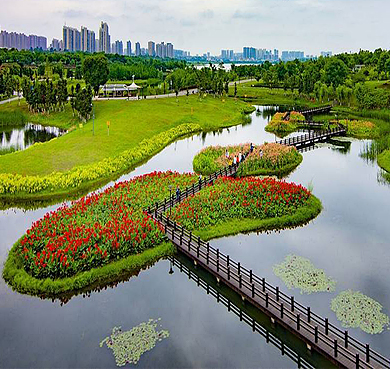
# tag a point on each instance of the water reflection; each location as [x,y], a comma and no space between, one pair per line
[287,343]
[21,137]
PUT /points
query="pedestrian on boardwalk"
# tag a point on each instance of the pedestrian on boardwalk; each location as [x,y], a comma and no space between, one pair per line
[261,154]
[227,154]
[200,180]
[251,150]
[239,157]
[178,193]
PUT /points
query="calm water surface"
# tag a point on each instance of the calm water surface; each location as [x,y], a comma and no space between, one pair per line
[349,240]
[21,137]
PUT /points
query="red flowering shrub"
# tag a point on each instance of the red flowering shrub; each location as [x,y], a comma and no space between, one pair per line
[242,198]
[98,228]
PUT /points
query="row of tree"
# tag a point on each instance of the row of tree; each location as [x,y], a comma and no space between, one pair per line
[45,96]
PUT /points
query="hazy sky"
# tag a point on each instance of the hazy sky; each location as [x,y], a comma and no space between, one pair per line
[212,25]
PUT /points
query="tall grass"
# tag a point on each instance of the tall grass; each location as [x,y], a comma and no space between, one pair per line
[8,118]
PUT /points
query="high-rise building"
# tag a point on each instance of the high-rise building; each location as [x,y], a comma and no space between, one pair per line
[249,53]
[71,39]
[117,47]
[227,54]
[88,40]
[292,55]
[55,45]
[151,48]
[170,50]
[128,49]
[276,54]
[104,38]
[326,53]
[137,49]
[22,42]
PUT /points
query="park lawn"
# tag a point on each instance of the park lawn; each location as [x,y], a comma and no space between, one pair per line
[267,96]
[130,123]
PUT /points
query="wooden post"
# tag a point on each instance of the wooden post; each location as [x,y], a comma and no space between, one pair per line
[346,339]
[207,260]
[326,326]
[263,280]
[217,254]
[239,268]
[227,261]
[198,241]
[181,238]
[217,265]
[308,314]
[197,252]
[292,303]
[228,305]
[228,273]
[277,293]
[367,353]
[250,276]
[208,247]
[240,281]
[357,361]
[253,290]
[190,237]
[335,348]
[316,334]
[298,321]
[281,310]
[253,324]
[266,299]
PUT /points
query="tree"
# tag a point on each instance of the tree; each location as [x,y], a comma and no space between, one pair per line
[335,72]
[95,71]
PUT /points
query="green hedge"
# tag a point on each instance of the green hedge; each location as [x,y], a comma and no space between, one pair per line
[20,186]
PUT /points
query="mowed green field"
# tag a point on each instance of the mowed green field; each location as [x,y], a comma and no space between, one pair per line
[267,96]
[130,123]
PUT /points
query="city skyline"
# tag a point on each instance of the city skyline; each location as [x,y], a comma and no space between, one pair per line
[210,26]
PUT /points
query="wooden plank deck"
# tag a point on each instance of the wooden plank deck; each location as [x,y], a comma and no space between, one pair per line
[320,335]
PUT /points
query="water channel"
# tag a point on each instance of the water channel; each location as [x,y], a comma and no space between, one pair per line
[349,240]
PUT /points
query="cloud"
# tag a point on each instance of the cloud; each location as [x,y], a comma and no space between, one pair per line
[208,14]
[238,14]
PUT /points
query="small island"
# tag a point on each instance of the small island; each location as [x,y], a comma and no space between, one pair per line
[266,159]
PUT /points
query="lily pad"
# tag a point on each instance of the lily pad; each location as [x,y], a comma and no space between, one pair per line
[299,272]
[128,346]
[356,310]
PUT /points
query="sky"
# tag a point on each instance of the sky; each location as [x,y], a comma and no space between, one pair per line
[211,25]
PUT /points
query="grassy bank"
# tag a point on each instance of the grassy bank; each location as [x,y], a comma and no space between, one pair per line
[267,96]
[235,226]
[384,160]
[138,130]
[15,275]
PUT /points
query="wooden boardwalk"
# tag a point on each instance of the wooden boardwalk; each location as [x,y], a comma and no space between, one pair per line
[297,353]
[313,137]
[320,110]
[318,334]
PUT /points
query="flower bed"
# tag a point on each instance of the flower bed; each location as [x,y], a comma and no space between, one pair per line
[247,198]
[278,124]
[360,128]
[266,159]
[93,231]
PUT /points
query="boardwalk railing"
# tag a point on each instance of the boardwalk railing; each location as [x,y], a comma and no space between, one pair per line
[284,348]
[317,332]
[322,109]
[312,137]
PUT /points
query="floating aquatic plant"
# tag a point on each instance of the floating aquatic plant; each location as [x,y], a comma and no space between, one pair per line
[356,310]
[130,345]
[299,272]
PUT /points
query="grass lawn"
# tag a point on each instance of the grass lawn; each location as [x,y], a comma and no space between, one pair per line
[130,123]
[384,160]
[266,96]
